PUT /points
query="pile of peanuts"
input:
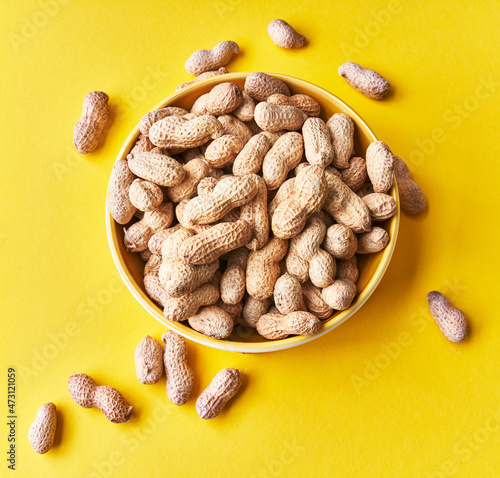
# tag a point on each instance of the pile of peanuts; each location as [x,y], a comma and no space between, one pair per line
[251,208]
[272,207]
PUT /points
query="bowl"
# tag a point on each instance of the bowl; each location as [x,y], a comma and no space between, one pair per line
[372,267]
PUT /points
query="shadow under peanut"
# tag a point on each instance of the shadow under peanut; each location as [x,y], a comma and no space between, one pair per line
[59,428]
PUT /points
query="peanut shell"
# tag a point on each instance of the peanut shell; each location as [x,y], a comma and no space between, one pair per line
[157,168]
[276,326]
[148,358]
[222,388]
[180,376]
[213,322]
[450,320]
[261,85]
[42,431]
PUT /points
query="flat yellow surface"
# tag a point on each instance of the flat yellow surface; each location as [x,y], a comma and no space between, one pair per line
[384,395]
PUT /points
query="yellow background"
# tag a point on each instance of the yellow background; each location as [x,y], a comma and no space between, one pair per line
[384,394]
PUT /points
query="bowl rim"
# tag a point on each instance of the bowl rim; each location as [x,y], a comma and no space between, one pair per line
[230,345]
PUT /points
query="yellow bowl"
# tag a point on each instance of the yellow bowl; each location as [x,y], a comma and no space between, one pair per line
[372,267]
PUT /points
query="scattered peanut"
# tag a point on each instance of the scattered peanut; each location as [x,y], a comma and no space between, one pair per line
[368,82]
[283,35]
[180,376]
[272,136]
[85,392]
[325,217]
[145,255]
[43,429]
[153,264]
[234,310]
[90,126]
[206,186]
[273,310]
[366,189]
[148,359]
[252,126]
[222,388]
[199,107]
[206,60]
[180,213]
[450,320]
